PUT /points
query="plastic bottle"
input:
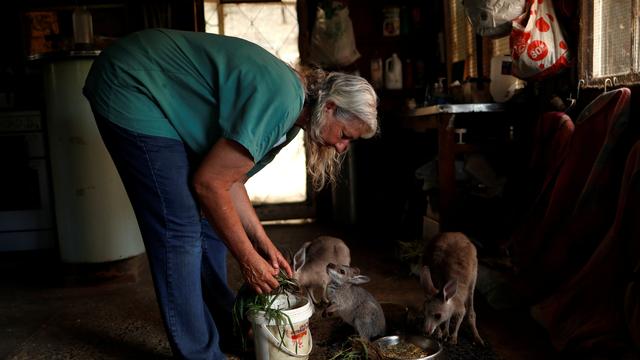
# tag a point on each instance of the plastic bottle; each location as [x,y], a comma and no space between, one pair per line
[439,96]
[404,20]
[393,72]
[376,73]
[419,81]
[82,27]
[407,74]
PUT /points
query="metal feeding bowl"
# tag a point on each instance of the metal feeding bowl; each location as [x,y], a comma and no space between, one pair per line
[409,348]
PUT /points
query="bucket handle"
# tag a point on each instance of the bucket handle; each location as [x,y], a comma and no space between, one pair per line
[277,342]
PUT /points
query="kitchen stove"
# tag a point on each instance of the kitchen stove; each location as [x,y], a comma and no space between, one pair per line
[26,215]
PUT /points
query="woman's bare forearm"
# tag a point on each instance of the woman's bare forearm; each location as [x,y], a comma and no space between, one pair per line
[246,211]
[221,170]
[219,208]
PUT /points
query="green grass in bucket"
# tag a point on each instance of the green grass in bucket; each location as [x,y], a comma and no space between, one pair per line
[249,302]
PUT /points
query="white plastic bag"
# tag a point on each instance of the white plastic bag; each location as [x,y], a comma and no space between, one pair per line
[537,45]
[332,41]
[493,17]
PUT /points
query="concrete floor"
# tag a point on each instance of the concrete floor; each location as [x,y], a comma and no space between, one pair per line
[49,311]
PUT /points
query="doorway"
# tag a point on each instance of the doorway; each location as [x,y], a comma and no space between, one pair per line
[280,190]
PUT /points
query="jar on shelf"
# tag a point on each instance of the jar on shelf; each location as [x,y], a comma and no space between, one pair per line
[82,27]
[391,21]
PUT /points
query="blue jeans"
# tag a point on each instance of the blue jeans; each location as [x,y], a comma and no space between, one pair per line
[186,257]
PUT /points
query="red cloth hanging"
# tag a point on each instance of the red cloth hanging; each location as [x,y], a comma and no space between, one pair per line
[578,208]
[588,314]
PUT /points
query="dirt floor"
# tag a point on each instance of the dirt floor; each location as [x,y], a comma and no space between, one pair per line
[50,311]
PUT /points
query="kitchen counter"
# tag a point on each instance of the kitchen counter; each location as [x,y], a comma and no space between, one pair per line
[62,55]
[455,109]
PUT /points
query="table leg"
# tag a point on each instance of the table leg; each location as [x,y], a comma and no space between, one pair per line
[446,168]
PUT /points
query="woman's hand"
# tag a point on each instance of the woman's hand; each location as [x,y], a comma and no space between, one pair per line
[274,256]
[259,275]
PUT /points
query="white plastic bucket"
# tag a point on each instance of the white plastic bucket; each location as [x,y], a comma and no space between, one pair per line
[296,343]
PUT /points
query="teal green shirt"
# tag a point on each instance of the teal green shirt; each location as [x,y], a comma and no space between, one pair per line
[198,88]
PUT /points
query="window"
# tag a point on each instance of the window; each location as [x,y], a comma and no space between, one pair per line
[461,40]
[610,42]
[500,46]
[273,26]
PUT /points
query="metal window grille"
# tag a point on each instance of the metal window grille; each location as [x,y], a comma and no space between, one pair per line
[500,46]
[461,38]
[610,42]
[272,25]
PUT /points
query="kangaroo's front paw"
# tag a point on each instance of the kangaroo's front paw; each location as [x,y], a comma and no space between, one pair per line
[478,341]
[327,313]
[452,340]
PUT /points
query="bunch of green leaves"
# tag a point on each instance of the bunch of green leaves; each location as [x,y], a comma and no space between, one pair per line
[410,250]
[410,253]
[355,348]
[249,302]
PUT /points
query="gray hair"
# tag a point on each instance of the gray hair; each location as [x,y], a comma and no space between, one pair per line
[355,100]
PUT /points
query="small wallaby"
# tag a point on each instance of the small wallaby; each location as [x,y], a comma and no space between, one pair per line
[355,305]
[310,264]
[448,278]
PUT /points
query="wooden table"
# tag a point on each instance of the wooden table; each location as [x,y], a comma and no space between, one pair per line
[442,118]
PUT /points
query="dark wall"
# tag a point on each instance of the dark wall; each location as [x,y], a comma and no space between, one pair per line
[20,75]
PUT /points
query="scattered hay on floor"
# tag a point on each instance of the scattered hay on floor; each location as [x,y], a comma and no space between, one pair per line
[333,339]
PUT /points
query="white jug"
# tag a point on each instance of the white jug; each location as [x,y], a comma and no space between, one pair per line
[393,72]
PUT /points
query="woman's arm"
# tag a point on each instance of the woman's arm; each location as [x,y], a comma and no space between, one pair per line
[254,229]
[224,167]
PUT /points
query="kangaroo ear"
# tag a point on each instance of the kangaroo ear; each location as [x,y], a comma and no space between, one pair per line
[300,257]
[425,281]
[450,289]
[356,271]
[359,279]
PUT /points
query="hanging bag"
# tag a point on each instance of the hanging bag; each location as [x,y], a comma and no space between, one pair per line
[493,18]
[537,45]
[333,43]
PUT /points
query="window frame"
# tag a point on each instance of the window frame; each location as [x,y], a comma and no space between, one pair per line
[247,1]
[586,51]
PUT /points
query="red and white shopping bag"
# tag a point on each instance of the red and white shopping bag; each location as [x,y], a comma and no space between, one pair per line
[537,45]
